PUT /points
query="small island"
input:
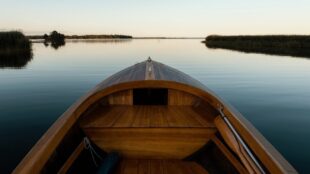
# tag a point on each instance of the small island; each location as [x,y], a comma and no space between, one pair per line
[115,36]
[287,45]
[55,39]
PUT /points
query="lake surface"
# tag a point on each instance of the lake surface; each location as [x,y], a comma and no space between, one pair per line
[272,92]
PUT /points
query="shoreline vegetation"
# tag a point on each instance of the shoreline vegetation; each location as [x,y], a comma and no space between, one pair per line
[34,37]
[115,36]
[284,45]
[15,49]
[13,41]
[55,39]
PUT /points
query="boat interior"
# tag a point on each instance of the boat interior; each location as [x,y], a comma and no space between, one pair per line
[154,130]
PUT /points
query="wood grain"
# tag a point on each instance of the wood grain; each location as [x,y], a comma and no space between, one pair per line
[234,161]
[146,116]
[235,145]
[158,143]
[180,98]
[151,166]
[121,98]
[71,159]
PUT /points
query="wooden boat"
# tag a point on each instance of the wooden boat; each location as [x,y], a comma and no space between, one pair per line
[154,119]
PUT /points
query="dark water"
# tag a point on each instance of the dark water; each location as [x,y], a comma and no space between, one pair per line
[272,92]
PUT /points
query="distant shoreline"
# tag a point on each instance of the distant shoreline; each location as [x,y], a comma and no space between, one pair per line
[85,37]
[286,45]
[36,37]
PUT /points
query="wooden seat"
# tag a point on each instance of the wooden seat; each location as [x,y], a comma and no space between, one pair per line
[146,116]
[149,132]
[146,166]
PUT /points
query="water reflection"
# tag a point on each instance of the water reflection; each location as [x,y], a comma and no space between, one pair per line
[57,45]
[99,40]
[54,45]
[15,59]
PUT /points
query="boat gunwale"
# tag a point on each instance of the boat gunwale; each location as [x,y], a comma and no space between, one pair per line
[37,157]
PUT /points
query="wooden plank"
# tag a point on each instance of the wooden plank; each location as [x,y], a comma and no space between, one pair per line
[201,117]
[144,167]
[168,166]
[196,168]
[235,162]
[175,120]
[172,166]
[156,167]
[205,109]
[71,158]
[187,114]
[158,118]
[142,116]
[121,98]
[106,119]
[126,119]
[130,167]
[180,98]
[153,143]
[145,116]
[234,145]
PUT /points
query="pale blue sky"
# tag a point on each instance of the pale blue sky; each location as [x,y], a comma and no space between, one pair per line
[157,17]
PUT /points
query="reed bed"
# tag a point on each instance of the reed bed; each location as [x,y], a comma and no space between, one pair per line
[290,45]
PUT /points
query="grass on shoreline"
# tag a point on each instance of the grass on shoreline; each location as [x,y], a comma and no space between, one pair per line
[290,45]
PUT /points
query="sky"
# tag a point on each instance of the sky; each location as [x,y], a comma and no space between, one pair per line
[176,18]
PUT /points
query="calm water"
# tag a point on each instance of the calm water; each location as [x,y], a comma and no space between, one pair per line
[272,92]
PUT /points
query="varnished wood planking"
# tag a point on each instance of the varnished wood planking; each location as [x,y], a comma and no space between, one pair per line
[142,115]
[180,98]
[151,166]
[171,143]
[234,161]
[104,116]
[173,166]
[158,118]
[145,116]
[203,107]
[156,167]
[235,145]
[123,121]
[167,73]
[132,73]
[121,98]
[71,159]
[188,117]
[128,167]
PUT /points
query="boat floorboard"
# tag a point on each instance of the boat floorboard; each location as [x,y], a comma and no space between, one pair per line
[146,166]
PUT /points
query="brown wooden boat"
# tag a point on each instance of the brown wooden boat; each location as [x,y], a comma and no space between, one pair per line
[153,119]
